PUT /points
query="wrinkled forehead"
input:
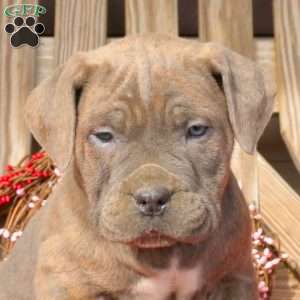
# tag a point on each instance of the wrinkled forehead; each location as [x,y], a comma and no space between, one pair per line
[151,78]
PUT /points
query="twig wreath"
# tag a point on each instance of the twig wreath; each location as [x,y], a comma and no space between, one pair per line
[24,189]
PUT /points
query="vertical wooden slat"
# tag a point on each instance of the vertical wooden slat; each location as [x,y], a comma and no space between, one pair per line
[151,16]
[287,43]
[246,170]
[230,23]
[80,25]
[17,77]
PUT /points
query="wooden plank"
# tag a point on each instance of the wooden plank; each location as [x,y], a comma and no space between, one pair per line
[45,58]
[17,77]
[274,150]
[151,16]
[230,23]
[288,171]
[227,22]
[285,285]
[287,42]
[280,208]
[244,167]
[80,25]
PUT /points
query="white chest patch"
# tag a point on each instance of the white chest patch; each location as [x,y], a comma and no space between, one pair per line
[183,283]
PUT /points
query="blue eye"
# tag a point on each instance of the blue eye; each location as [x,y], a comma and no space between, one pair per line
[104,136]
[195,131]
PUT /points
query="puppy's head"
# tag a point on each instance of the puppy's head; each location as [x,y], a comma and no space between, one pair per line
[150,122]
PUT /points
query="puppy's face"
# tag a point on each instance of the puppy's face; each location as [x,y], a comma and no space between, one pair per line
[152,134]
[154,156]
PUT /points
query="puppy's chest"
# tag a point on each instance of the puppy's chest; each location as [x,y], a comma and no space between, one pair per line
[170,284]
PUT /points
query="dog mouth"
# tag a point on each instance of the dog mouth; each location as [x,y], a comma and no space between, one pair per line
[152,239]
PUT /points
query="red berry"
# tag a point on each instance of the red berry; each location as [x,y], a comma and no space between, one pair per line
[9,168]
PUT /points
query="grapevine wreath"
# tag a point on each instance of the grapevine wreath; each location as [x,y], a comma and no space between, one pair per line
[24,189]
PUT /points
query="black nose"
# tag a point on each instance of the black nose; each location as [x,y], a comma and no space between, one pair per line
[152,201]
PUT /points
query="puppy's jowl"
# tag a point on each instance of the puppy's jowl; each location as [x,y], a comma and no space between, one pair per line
[148,208]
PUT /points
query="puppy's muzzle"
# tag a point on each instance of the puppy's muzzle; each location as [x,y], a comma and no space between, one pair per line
[153,207]
[152,200]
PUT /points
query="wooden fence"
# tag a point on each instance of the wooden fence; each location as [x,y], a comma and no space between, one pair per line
[81,25]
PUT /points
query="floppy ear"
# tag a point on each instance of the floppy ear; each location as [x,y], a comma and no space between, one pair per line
[248,105]
[50,110]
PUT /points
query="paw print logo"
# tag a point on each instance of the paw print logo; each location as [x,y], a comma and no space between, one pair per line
[24,31]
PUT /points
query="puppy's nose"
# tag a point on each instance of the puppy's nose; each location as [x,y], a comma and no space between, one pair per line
[152,201]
